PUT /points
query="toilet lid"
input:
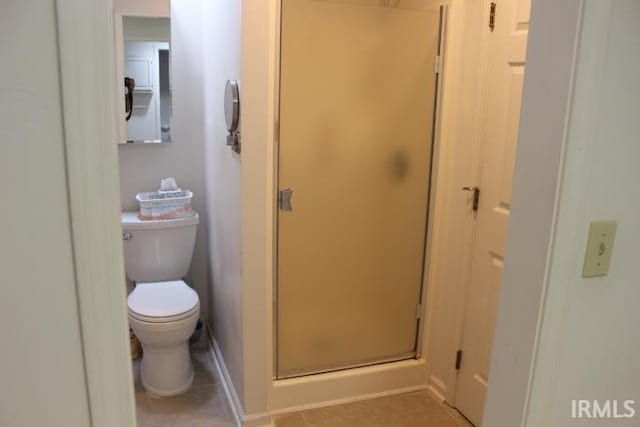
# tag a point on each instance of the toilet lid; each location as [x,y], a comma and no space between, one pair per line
[162,300]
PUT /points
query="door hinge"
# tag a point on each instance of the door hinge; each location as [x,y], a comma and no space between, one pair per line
[492,15]
[458,359]
[284,199]
[438,66]
[418,311]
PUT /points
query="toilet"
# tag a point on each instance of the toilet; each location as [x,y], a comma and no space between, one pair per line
[163,309]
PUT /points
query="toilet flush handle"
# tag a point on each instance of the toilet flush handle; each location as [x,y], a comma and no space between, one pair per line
[127,236]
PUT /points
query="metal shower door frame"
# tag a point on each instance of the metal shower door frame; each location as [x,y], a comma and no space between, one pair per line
[439,82]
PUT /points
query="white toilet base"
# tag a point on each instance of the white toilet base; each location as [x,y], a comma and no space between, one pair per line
[166,368]
[166,372]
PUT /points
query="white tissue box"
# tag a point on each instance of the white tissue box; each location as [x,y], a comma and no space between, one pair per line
[165,205]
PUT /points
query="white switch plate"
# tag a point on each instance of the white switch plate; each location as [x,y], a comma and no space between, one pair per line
[602,234]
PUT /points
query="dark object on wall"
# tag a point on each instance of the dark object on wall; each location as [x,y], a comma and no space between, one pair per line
[232,113]
[129,85]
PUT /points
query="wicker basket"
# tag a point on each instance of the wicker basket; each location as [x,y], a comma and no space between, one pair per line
[165,205]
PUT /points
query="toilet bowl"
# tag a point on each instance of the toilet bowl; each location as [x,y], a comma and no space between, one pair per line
[163,316]
[163,310]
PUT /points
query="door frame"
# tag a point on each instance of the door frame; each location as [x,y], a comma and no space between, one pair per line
[482,129]
[87,88]
[85,26]
[544,112]
[444,10]
[546,108]
[454,221]
[336,387]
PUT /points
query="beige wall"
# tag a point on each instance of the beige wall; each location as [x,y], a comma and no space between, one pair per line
[238,42]
[143,165]
[144,7]
[42,370]
[589,339]
[222,61]
[141,28]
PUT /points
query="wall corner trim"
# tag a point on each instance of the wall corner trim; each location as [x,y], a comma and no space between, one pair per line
[262,419]
[551,56]
[87,88]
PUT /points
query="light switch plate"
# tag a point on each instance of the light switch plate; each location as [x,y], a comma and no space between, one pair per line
[602,234]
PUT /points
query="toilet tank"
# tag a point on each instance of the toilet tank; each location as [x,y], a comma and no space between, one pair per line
[157,250]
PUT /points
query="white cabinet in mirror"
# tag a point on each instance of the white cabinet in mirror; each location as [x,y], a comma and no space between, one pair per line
[144,78]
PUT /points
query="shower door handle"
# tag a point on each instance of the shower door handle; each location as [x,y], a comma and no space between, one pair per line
[285,200]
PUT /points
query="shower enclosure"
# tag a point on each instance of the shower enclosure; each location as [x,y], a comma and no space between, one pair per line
[358,85]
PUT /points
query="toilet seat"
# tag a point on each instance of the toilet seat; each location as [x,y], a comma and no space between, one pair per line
[163,302]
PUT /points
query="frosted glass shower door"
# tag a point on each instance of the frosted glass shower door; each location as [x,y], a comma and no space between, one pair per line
[356,120]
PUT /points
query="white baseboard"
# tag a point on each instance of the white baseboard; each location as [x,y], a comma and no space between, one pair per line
[321,390]
[352,385]
[241,419]
[257,420]
[437,388]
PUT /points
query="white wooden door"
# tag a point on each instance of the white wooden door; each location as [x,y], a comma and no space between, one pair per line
[505,78]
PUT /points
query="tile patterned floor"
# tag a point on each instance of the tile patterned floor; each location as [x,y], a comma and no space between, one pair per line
[204,405]
[417,409]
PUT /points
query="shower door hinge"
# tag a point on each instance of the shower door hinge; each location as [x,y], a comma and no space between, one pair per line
[458,359]
[438,67]
[419,311]
[492,15]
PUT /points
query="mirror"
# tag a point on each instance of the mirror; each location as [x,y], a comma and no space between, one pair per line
[144,79]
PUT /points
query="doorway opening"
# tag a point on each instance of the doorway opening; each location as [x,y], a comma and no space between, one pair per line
[475,197]
[351,241]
